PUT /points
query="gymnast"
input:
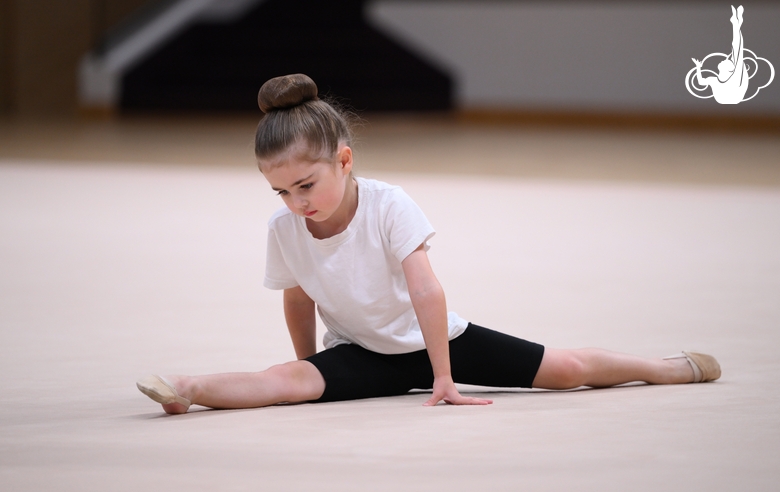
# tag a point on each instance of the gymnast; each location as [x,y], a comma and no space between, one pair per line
[355,250]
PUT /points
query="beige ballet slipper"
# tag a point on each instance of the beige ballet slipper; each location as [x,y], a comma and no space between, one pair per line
[161,390]
[705,367]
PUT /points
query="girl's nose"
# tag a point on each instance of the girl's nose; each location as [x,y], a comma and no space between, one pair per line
[301,202]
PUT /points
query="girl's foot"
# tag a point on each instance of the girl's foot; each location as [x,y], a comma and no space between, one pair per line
[180,388]
[682,372]
[163,390]
[701,367]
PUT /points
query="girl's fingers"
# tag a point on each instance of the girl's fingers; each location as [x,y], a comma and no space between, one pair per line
[444,389]
[433,401]
[460,400]
[477,401]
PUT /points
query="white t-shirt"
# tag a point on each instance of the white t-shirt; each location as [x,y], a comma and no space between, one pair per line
[355,277]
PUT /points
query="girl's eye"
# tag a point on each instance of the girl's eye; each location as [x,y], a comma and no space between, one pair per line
[307,186]
[281,193]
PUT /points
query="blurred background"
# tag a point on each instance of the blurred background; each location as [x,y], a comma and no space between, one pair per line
[135,80]
[509,60]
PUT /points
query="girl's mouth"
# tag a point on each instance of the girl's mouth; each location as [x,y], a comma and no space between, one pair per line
[309,214]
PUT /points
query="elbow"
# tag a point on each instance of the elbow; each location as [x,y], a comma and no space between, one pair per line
[427,293]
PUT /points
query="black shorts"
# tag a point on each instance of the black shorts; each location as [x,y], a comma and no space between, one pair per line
[478,356]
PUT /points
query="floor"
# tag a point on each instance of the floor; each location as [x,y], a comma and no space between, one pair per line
[136,246]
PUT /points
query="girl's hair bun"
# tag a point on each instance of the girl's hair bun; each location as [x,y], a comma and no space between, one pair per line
[286,91]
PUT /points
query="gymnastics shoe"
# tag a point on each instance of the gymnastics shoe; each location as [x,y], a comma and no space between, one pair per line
[705,367]
[161,390]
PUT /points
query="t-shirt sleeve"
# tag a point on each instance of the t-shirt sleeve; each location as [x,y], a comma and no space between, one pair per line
[277,274]
[405,225]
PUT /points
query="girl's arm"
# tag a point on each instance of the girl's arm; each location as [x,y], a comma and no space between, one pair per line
[301,322]
[430,307]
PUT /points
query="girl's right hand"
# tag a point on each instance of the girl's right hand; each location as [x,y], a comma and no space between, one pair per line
[444,389]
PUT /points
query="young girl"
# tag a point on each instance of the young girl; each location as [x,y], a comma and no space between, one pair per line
[356,250]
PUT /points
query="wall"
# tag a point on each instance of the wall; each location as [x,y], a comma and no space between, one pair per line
[6,37]
[562,55]
[52,36]
[41,44]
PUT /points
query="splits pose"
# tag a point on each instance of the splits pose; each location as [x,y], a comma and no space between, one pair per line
[355,250]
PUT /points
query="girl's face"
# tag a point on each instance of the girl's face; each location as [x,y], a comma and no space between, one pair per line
[315,190]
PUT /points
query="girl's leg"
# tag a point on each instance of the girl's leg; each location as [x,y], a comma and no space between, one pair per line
[292,382]
[566,369]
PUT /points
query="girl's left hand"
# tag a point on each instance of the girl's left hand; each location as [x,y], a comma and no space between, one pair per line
[444,389]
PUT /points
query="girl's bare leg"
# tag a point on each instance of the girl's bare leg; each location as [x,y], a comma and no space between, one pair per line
[566,369]
[292,382]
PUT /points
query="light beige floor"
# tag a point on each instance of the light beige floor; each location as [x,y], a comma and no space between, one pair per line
[138,247]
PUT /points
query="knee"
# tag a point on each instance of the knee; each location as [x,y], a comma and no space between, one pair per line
[570,370]
[289,373]
[299,380]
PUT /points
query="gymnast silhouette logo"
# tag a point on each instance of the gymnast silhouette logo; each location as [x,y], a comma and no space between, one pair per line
[735,70]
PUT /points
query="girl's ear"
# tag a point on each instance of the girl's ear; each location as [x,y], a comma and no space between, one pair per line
[345,159]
